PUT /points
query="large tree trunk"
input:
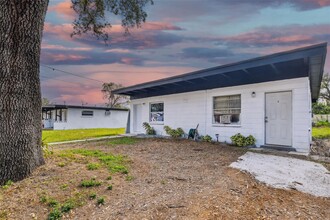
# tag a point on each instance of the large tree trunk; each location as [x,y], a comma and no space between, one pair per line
[20,100]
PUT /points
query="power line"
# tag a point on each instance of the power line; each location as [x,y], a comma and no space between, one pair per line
[66,72]
[45,74]
[45,77]
[74,83]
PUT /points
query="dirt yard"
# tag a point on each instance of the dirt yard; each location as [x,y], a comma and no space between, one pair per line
[166,180]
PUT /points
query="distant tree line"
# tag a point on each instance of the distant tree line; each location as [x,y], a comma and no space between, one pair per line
[320,108]
[323,106]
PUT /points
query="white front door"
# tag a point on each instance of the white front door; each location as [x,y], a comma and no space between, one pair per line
[278,118]
[137,118]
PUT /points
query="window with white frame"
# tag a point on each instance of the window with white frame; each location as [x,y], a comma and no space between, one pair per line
[87,113]
[227,109]
[157,112]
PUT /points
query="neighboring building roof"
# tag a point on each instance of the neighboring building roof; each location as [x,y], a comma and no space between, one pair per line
[302,62]
[53,107]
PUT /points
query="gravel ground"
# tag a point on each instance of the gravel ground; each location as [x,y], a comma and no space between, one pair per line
[286,173]
[171,180]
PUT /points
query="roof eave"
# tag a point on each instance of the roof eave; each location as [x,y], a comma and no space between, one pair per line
[277,57]
[53,107]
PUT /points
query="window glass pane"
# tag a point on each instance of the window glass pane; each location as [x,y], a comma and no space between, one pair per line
[157,107]
[157,111]
[87,113]
[159,116]
[227,109]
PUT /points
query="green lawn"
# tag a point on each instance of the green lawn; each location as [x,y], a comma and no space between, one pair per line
[50,136]
[123,141]
[321,132]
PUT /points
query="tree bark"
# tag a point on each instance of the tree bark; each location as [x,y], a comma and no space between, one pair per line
[21,29]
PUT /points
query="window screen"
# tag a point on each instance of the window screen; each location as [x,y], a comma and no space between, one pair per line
[227,109]
[157,112]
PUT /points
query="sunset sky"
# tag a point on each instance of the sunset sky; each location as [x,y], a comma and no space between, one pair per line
[180,36]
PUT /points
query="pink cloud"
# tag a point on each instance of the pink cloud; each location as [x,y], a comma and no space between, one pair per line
[129,75]
[54,57]
[151,35]
[322,2]
[160,26]
[269,38]
[64,10]
[73,90]
[118,51]
[128,61]
[61,57]
[115,29]
[291,35]
[91,97]
[60,47]
[307,4]
[62,31]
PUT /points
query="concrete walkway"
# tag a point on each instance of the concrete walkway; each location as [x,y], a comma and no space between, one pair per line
[90,139]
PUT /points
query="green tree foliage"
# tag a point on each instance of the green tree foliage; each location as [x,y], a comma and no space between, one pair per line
[92,15]
[45,101]
[325,88]
[319,108]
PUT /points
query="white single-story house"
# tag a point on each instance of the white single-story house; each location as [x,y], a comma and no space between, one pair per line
[60,117]
[269,97]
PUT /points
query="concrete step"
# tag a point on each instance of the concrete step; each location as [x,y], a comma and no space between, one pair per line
[278,147]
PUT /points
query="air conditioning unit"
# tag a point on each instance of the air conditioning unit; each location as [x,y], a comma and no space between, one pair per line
[225,119]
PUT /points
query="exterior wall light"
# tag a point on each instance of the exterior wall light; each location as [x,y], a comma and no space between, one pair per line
[253,94]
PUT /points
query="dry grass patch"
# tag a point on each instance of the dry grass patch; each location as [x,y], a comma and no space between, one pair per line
[167,179]
[71,178]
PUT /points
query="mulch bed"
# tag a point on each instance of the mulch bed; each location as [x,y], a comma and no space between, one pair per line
[321,147]
[169,179]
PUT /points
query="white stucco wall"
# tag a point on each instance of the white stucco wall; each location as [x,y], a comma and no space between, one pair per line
[116,119]
[186,110]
